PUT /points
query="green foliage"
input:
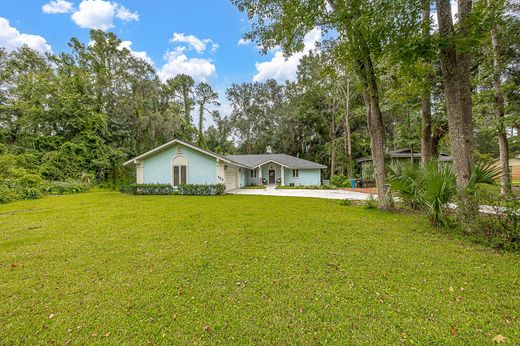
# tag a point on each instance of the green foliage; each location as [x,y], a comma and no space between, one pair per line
[19,178]
[432,186]
[346,202]
[202,189]
[340,181]
[148,189]
[66,187]
[371,203]
[483,173]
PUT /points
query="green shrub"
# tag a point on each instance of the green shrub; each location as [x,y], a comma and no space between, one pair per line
[8,194]
[31,193]
[340,181]
[345,202]
[202,189]
[65,187]
[371,203]
[148,189]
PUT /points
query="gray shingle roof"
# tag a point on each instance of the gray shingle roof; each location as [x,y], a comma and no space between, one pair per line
[286,160]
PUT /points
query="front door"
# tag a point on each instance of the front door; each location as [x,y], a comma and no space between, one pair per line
[272,178]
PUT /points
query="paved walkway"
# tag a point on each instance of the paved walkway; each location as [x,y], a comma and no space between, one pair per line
[330,194]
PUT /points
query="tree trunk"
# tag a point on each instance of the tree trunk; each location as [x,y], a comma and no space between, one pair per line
[347,132]
[375,126]
[426,102]
[333,144]
[505,179]
[457,89]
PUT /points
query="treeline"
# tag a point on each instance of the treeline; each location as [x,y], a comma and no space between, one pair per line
[81,114]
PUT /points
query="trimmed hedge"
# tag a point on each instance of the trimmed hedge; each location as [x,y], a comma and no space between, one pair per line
[167,189]
[148,189]
[202,189]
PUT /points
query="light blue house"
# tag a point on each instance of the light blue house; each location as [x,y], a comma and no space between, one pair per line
[177,163]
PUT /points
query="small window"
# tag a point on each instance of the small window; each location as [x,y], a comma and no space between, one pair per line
[253,173]
[295,173]
[179,150]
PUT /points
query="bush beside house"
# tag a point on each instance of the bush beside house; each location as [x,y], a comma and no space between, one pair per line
[167,189]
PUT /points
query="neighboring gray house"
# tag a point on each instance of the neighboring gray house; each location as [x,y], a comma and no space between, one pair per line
[402,155]
[178,162]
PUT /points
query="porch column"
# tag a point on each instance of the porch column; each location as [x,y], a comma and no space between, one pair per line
[283,177]
[259,175]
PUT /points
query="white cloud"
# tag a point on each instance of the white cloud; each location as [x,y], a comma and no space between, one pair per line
[58,6]
[95,14]
[282,69]
[11,38]
[177,63]
[140,55]
[99,14]
[243,42]
[195,42]
[125,14]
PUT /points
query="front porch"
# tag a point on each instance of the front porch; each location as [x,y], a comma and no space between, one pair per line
[269,173]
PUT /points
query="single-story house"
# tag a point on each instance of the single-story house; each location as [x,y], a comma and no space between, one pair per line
[514,167]
[178,162]
[395,156]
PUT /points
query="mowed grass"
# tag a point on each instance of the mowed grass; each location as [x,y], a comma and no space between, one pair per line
[107,268]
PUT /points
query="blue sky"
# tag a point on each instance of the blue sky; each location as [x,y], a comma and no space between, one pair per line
[197,37]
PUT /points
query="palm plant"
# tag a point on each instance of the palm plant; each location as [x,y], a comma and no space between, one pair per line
[407,180]
[432,186]
[437,190]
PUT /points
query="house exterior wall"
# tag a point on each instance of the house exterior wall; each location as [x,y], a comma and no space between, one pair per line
[514,164]
[248,179]
[306,177]
[202,169]
[242,177]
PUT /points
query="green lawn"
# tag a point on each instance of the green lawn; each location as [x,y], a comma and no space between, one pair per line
[110,268]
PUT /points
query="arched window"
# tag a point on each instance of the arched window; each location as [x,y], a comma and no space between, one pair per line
[180,170]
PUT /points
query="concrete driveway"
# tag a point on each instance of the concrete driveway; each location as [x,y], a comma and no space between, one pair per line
[330,194]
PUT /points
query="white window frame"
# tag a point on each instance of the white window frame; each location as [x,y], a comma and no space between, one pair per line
[295,173]
[254,173]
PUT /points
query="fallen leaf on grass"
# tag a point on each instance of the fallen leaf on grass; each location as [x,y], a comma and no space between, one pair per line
[499,339]
[14,265]
[453,331]
[207,329]
[51,316]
